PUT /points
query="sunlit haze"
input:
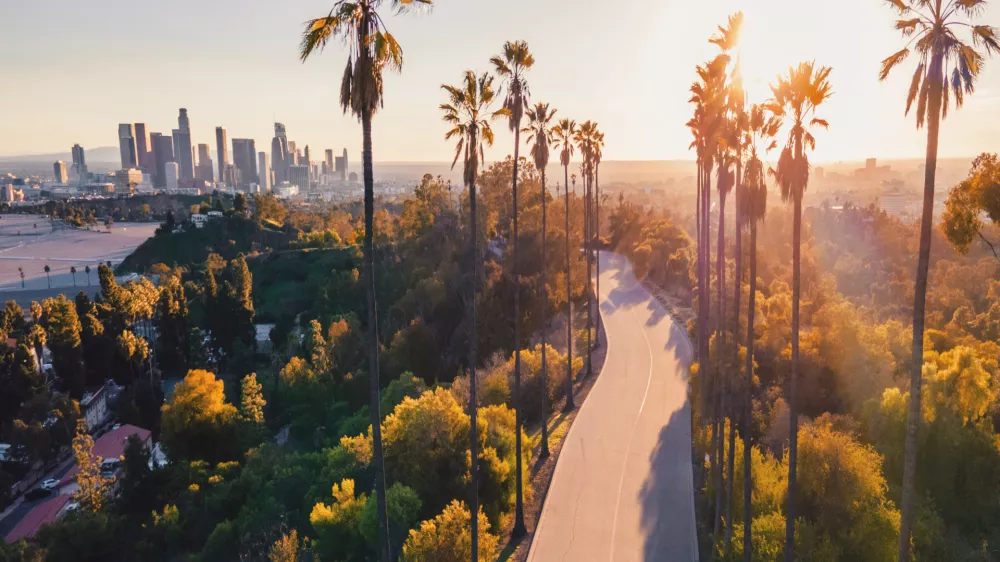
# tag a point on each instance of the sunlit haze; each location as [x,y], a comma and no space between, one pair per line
[75,70]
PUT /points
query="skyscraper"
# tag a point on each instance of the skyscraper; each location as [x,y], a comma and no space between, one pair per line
[342,166]
[182,146]
[142,147]
[308,161]
[170,175]
[205,169]
[59,170]
[79,161]
[263,172]
[245,160]
[222,152]
[126,144]
[279,153]
[329,160]
[293,154]
[299,175]
[163,152]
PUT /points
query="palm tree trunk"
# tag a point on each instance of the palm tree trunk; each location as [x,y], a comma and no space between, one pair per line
[384,546]
[588,241]
[545,328]
[738,285]
[597,236]
[473,361]
[702,385]
[720,330]
[748,405]
[569,406]
[919,302]
[793,418]
[519,529]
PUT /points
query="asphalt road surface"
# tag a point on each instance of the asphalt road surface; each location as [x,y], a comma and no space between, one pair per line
[623,489]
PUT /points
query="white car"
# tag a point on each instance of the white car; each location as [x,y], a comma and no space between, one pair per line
[50,484]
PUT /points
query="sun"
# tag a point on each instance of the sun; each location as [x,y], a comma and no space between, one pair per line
[763,54]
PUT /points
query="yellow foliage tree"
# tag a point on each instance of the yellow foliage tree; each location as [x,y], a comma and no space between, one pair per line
[446,538]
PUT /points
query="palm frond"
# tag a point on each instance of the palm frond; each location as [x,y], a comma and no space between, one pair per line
[891,62]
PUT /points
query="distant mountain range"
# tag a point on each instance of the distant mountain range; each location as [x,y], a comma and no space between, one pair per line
[101,154]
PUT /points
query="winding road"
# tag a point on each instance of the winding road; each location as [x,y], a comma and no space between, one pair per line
[622,490]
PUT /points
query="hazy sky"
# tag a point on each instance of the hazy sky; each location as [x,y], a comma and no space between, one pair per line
[74,70]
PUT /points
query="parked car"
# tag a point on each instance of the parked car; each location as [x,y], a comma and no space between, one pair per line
[49,484]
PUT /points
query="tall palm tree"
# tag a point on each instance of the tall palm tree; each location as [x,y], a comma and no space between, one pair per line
[563,134]
[584,138]
[539,131]
[761,129]
[371,49]
[72,270]
[468,114]
[797,95]
[47,278]
[945,63]
[87,271]
[598,147]
[511,65]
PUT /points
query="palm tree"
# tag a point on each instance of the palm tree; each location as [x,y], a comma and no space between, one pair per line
[797,95]
[468,114]
[584,138]
[511,66]
[20,271]
[72,270]
[371,49]
[47,278]
[539,131]
[87,271]
[945,63]
[598,146]
[563,134]
[760,129]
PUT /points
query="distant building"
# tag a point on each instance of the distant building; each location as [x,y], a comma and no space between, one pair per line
[870,164]
[820,173]
[263,172]
[308,158]
[286,190]
[328,161]
[245,159]
[299,175]
[142,148]
[293,154]
[354,177]
[127,180]
[59,171]
[94,407]
[171,175]
[79,161]
[222,152]
[341,166]
[279,153]
[126,145]
[163,152]
[205,168]
[199,220]
[182,146]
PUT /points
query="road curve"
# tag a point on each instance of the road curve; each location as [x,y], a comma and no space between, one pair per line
[622,490]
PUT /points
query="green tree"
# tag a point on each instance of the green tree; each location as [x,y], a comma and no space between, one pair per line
[511,66]
[563,134]
[63,337]
[446,539]
[797,95]
[539,131]
[251,400]
[240,203]
[468,114]
[92,485]
[172,323]
[371,49]
[197,420]
[946,63]
[967,203]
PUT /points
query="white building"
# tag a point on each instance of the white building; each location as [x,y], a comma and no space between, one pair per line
[172,173]
[263,171]
[286,190]
[94,407]
[199,220]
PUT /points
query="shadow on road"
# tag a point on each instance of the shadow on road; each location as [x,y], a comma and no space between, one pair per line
[668,533]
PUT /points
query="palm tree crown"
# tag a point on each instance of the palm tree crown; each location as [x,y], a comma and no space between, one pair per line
[563,135]
[944,60]
[797,95]
[540,133]
[467,111]
[371,49]
[510,66]
[761,130]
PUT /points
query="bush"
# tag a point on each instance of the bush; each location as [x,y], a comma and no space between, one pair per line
[446,538]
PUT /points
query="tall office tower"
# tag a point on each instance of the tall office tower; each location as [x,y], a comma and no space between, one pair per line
[328,161]
[222,152]
[59,170]
[293,154]
[142,151]
[182,146]
[79,161]
[308,158]
[245,160]
[263,172]
[342,166]
[279,153]
[163,152]
[299,175]
[170,174]
[205,168]
[126,144]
